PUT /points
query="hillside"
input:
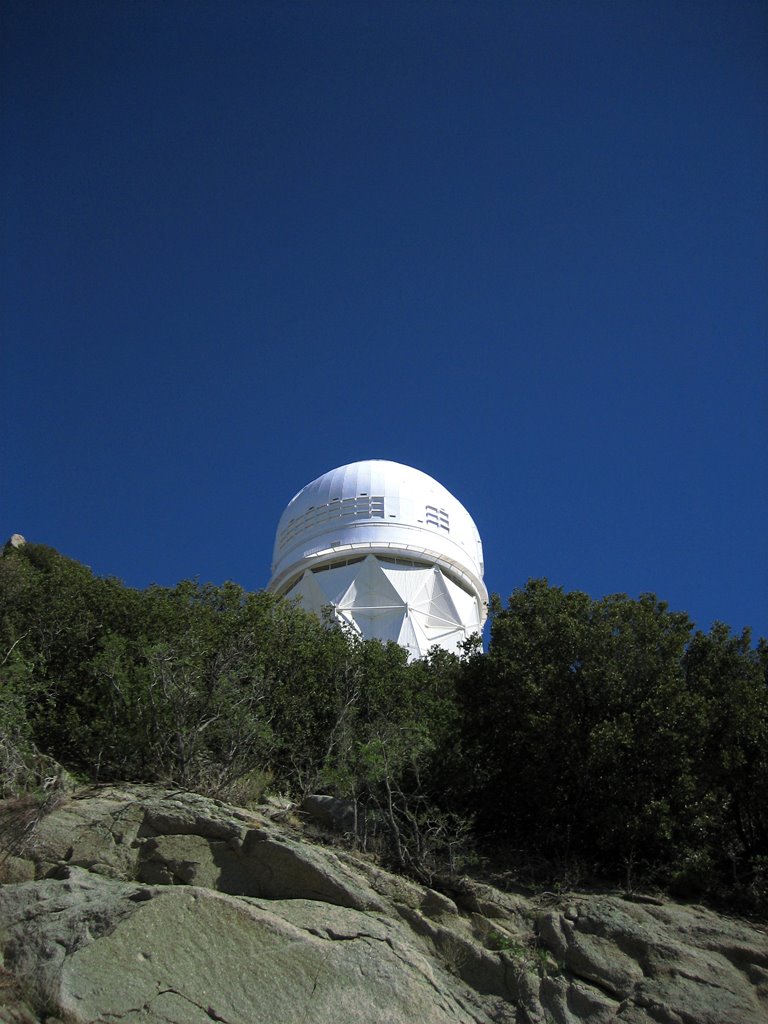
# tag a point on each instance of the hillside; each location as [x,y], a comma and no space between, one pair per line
[596,741]
[156,905]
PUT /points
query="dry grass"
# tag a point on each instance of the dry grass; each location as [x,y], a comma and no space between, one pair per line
[19,820]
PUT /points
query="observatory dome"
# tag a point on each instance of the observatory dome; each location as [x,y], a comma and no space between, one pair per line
[392,551]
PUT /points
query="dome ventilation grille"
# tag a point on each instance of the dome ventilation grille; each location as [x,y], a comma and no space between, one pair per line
[364,506]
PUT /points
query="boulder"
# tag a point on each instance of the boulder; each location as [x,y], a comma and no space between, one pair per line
[105,950]
[143,904]
[666,963]
[256,865]
[338,815]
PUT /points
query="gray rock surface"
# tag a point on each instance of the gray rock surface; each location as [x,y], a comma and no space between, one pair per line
[141,904]
[338,815]
[100,949]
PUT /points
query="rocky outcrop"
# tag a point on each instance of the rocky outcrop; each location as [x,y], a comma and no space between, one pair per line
[146,905]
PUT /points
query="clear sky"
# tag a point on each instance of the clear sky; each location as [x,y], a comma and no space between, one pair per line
[522,246]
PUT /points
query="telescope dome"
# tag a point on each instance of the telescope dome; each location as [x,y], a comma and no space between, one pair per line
[389,549]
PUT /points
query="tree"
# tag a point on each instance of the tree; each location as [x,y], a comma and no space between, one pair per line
[727,677]
[577,725]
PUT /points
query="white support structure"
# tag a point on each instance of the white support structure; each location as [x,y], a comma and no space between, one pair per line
[390,550]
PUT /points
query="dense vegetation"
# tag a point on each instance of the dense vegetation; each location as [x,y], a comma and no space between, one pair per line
[595,739]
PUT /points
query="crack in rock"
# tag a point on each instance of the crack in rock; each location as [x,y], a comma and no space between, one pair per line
[333,936]
[209,1011]
[606,990]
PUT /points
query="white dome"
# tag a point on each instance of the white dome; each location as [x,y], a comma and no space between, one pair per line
[411,526]
[378,506]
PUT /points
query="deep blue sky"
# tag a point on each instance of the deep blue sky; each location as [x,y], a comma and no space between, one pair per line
[522,246]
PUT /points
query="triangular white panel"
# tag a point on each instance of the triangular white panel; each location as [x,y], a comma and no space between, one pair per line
[408,637]
[371,589]
[437,607]
[409,581]
[335,582]
[311,596]
[347,618]
[466,606]
[447,637]
[382,625]
[433,626]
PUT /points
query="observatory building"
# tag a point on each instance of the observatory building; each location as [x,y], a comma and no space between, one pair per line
[390,550]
